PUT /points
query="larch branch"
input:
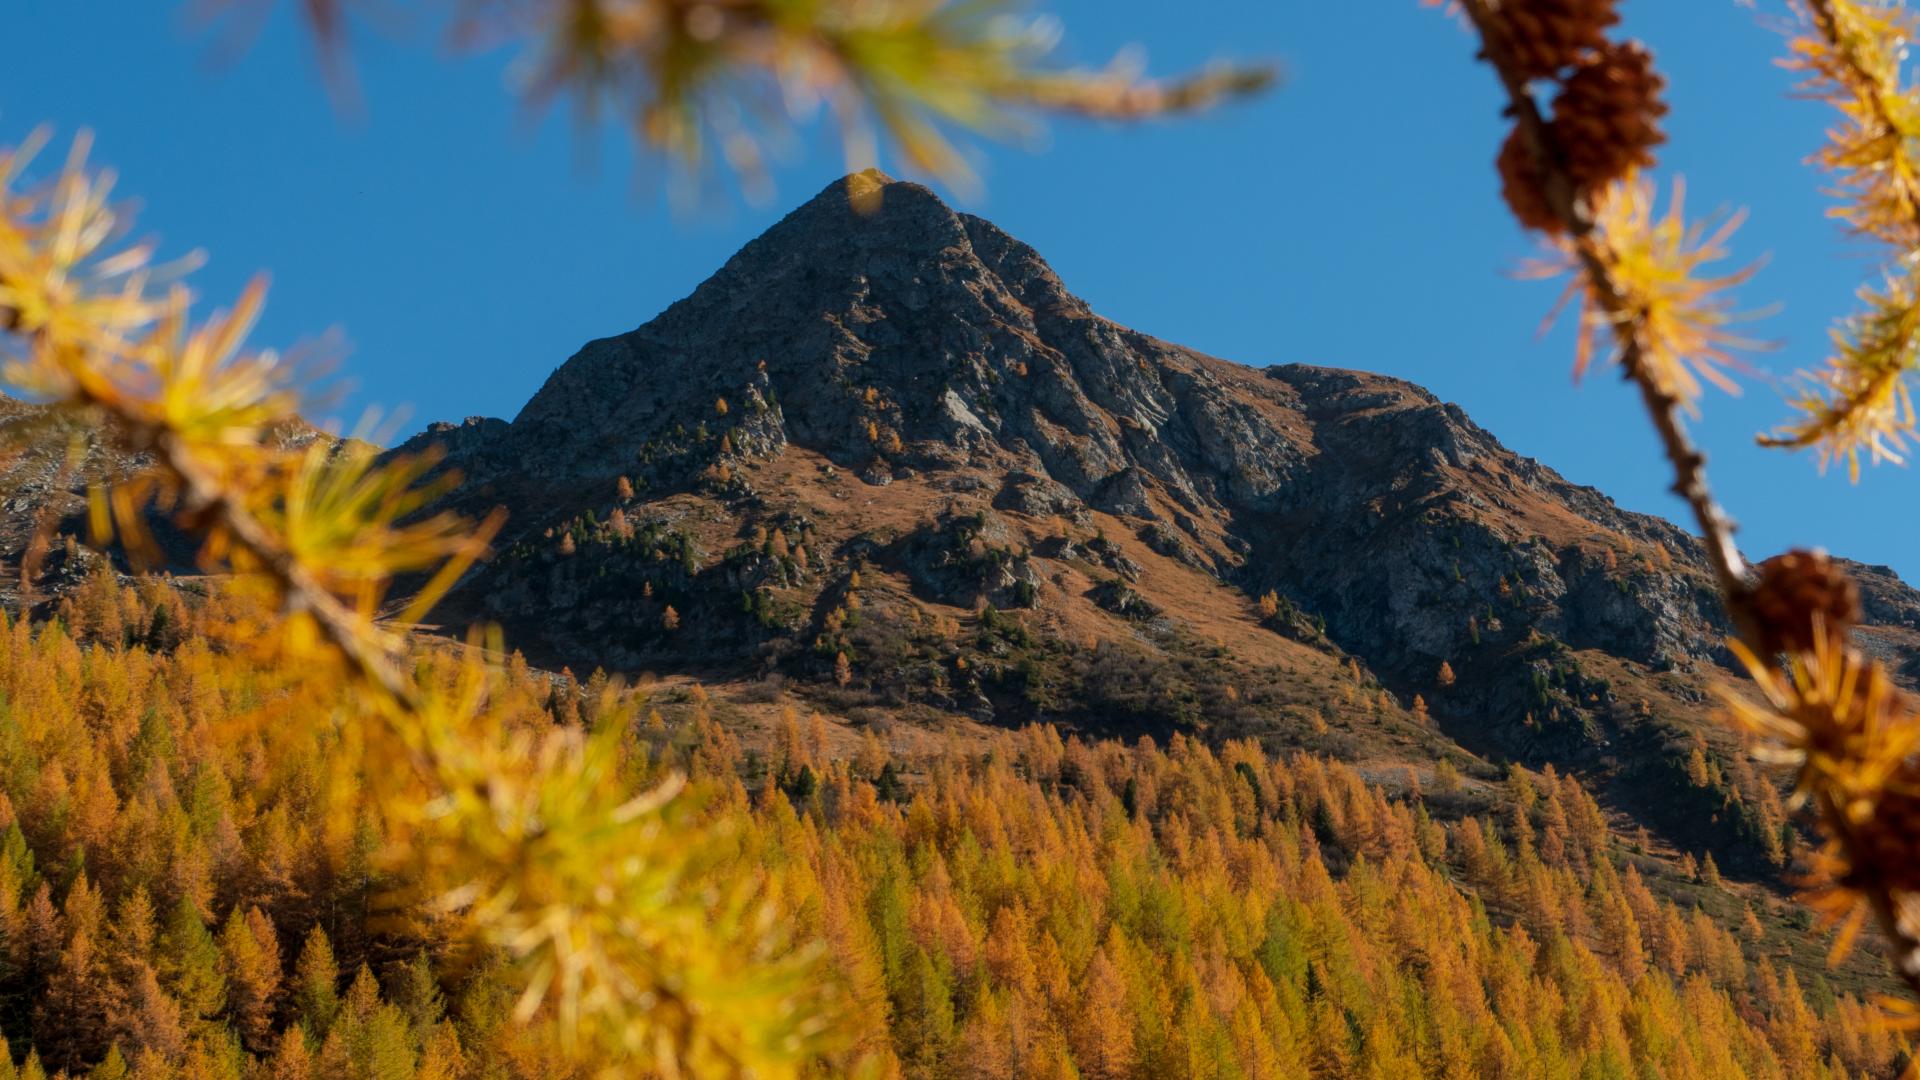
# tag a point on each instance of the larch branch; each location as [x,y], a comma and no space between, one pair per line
[1688,462]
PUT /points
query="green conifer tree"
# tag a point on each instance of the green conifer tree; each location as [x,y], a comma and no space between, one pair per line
[316,985]
[190,964]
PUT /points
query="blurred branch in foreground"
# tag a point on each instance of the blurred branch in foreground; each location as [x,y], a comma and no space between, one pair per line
[1852,56]
[696,78]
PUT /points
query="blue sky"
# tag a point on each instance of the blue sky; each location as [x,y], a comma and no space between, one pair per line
[1351,218]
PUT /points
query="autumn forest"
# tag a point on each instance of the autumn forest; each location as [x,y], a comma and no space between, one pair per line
[880,664]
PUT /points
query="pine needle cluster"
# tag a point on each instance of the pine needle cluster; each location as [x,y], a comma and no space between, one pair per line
[1851,54]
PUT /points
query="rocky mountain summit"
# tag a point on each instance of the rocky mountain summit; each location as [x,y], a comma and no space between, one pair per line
[883,457]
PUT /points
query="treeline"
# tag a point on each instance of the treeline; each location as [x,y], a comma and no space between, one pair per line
[190,888]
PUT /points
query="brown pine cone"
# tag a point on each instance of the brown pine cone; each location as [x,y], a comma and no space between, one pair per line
[1520,185]
[1888,844]
[1546,36]
[1793,588]
[1606,116]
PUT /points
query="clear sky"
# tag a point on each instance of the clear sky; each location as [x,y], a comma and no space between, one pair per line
[1351,218]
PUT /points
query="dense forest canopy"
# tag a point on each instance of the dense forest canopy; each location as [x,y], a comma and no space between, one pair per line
[191,887]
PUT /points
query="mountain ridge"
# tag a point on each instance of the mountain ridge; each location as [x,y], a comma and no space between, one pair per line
[885,459]
[1005,448]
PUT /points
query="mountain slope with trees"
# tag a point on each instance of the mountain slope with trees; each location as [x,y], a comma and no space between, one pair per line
[196,892]
[885,454]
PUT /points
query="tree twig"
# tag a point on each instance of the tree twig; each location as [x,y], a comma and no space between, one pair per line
[1689,463]
[340,626]
[1665,410]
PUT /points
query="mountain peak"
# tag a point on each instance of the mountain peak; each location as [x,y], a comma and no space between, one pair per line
[873,284]
[865,189]
[865,180]
[858,212]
